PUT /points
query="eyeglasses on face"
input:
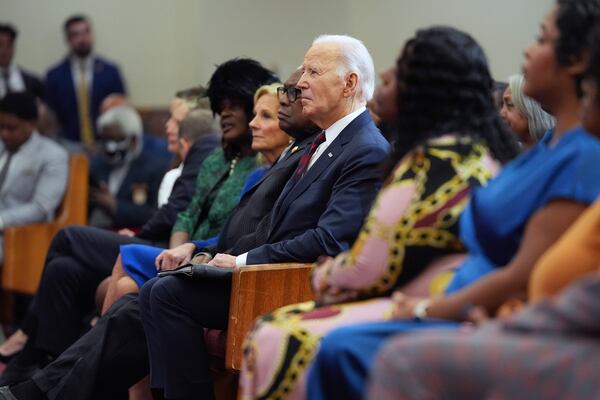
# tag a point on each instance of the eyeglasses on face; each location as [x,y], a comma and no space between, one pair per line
[292,92]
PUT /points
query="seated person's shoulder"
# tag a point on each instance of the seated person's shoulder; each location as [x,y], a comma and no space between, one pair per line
[371,142]
[50,149]
[149,162]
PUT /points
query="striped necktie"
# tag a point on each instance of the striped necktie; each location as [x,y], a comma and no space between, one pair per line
[305,159]
[4,170]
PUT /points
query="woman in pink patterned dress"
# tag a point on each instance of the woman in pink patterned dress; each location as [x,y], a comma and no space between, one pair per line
[447,120]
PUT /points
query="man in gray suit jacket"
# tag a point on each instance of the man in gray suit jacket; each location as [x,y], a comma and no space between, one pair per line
[33,169]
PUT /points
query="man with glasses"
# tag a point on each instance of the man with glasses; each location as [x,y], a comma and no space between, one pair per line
[323,205]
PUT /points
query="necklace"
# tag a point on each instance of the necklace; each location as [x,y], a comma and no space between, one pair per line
[232,165]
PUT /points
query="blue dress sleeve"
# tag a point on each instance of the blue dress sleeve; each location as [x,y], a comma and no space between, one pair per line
[253,179]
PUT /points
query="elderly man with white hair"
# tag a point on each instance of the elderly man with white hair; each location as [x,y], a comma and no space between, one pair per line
[337,81]
[321,209]
[124,178]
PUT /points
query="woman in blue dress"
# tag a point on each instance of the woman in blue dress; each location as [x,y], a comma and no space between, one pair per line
[508,224]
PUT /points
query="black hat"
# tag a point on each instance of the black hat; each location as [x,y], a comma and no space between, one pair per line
[237,80]
[20,104]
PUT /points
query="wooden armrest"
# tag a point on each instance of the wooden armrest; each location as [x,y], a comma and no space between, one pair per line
[25,249]
[257,290]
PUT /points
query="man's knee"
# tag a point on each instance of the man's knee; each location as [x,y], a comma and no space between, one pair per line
[125,308]
[163,290]
[63,239]
[146,293]
[61,270]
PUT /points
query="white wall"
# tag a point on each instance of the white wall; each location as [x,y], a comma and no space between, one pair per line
[163,45]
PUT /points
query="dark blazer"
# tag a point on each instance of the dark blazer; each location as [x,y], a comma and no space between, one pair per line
[33,84]
[61,93]
[145,171]
[324,211]
[239,234]
[158,228]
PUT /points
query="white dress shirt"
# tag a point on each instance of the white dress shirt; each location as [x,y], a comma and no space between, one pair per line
[167,183]
[331,134]
[15,80]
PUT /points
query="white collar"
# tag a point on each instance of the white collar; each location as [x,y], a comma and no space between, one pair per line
[338,126]
[87,61]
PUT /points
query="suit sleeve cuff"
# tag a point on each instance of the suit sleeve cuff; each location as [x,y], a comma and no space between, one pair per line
[241,259]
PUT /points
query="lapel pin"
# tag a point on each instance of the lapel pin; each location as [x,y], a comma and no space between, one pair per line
[330,155]
[294,149]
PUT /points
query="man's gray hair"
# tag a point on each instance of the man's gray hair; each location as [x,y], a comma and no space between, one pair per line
[197,123]
[538,120]
[125,117]
[354,58]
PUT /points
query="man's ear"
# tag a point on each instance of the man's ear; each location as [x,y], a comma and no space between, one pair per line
[351,84]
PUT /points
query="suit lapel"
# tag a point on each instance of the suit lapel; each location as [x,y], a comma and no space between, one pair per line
[96,77]
[71,89]
[326,159]
[313,173]
[291,158]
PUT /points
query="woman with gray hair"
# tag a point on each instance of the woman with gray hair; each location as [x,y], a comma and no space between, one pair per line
[524,115]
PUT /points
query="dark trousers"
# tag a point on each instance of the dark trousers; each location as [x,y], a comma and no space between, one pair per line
[79,259]
[104,362]
[174,311]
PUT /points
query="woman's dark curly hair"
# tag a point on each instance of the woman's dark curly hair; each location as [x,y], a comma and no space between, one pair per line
[444,86]
[574,20]
[593,70]
[236,80]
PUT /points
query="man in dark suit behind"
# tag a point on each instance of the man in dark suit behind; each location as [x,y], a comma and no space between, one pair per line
[77,85]
[12,77]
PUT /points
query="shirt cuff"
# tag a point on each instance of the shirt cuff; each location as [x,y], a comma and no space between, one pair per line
[241,259]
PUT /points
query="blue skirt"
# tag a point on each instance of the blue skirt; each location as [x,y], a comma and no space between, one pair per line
[138,261]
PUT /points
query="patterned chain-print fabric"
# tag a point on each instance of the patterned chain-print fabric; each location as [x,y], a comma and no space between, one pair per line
[413,220]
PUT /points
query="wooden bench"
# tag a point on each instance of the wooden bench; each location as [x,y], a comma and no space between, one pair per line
[25,246]
[256,290]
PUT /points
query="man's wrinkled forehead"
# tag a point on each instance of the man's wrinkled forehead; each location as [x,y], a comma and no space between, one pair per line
[321,55]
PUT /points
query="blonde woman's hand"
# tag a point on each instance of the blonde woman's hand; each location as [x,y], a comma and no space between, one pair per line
[173,258]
